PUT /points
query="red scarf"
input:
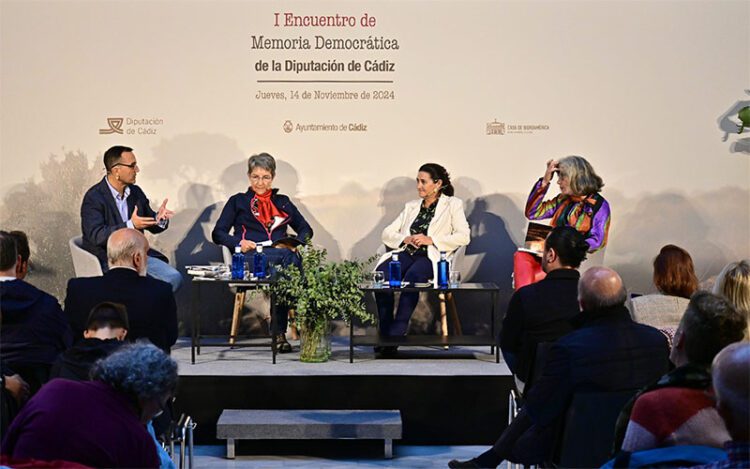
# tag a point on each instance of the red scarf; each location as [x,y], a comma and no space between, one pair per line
[267,211]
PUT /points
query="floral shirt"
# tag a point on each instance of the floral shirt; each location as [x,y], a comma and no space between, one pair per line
[420,226]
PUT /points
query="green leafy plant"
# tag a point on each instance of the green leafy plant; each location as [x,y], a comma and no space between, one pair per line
[321,292]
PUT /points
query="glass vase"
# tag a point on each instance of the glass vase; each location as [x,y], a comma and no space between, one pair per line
[315,343]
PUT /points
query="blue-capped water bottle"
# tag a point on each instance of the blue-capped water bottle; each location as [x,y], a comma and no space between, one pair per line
[442,270]
[394,271]
[238,264]
[259,262]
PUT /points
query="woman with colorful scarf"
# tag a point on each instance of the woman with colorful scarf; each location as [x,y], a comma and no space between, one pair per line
[261,216]
[579,205]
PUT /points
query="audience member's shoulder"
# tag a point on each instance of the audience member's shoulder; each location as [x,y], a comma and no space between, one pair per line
[671,400]
[157,285]
[80,281]
[30,291]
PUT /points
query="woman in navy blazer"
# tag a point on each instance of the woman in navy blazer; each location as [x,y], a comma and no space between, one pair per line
[261,216]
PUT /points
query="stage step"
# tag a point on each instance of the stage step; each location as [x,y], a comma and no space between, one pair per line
[242,424]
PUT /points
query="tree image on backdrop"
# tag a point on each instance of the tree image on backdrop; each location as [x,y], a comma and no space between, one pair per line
[48,211]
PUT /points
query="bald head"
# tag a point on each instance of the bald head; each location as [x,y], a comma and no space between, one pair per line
[600,287]
[730,373]
[127,248]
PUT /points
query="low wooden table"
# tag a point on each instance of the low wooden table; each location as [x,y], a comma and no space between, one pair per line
[199,283]
[434,340]
[235,424]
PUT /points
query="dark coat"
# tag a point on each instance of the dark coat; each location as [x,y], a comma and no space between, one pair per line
[34,328]
[76,362]
[100,218]
[152,311]
[608,352]
[237,215]
[540,312]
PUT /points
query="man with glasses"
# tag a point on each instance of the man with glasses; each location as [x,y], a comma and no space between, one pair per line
[115,203]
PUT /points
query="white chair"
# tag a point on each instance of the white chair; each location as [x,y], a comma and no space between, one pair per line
[85,264]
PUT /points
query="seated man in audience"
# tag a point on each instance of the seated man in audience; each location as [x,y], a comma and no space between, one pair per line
[98,423]
[607,352]
[34,330]
[152,311]
[677,409]
[22,246]
[730,374]
[541,312]
[105,331]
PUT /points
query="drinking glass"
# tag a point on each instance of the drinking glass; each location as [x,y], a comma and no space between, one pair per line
[454,278]
[377,279]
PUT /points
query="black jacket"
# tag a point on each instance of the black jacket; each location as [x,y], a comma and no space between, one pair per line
[237,215]
[76,362]
[152,311]
[540,312]
[608,352]
[100,218]
[34,330]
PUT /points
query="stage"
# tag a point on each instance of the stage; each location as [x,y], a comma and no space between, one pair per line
[446,397]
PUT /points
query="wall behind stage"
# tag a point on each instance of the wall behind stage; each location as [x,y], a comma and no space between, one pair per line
[647,91]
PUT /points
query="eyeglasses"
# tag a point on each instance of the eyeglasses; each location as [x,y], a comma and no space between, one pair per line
[164,405]
[131,165]
[261,178]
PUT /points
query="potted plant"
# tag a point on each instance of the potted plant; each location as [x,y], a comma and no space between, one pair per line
[321,292]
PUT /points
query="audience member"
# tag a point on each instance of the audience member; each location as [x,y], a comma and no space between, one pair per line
[541,312]
[34,329]
[104,420]
[106,329]
[607,352]
[14,391]
[116,202]
[152,311]
[22,246]
[676,410]
[731,381]
[734,283]
[675,280]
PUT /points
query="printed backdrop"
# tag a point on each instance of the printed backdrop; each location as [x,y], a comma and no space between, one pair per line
[351,97]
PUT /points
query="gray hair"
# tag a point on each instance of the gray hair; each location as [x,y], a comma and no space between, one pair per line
[122,248]
[263,161]
[583,180]
[140,370]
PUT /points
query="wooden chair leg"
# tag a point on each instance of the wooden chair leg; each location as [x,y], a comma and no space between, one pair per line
[454,314]
[443,316]
[292,328]
[239,302]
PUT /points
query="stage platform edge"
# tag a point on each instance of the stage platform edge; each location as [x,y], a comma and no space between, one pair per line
[446,397]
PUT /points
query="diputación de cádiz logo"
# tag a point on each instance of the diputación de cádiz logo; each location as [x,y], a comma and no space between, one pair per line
[132,126]
[115,126]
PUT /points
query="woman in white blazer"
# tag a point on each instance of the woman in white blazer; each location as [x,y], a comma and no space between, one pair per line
[434,223]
